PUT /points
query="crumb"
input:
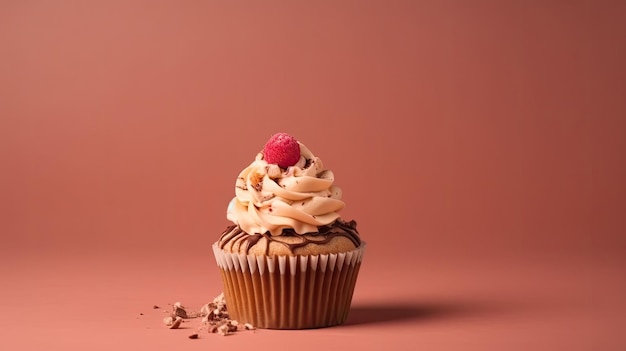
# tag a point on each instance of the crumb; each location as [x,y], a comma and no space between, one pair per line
[155,307]
[168,321]
[231,327]
[176,323]
[179,310]
[212,329]
[193,336]
[223,330]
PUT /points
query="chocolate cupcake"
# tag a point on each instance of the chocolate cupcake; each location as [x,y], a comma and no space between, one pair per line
[289,261]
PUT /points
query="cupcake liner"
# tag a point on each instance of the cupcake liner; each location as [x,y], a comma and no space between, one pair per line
[289,292]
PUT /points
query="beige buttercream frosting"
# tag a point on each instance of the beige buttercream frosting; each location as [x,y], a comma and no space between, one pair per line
[270,199]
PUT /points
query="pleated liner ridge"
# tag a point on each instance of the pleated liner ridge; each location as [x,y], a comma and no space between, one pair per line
[289,292]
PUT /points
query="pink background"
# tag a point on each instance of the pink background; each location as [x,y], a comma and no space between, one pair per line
[479,145]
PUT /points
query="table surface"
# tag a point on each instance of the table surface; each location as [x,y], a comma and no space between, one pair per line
[105,301]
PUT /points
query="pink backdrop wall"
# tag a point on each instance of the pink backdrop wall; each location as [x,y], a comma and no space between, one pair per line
[486,123]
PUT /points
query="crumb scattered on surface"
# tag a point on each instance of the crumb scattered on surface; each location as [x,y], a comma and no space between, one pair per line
[223,330]
[179,310]
[176,323]
[214,318]
[155,307]
[168,321]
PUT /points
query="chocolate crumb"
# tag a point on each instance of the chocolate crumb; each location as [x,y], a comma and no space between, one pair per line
[176,323]
[179,310]
[155,307]
[214,318]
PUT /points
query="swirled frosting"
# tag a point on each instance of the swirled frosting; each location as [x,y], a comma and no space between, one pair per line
[270,199]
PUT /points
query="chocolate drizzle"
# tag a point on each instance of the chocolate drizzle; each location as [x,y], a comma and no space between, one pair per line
[326,233]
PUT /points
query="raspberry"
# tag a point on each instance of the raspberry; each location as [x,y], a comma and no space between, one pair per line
[282,149]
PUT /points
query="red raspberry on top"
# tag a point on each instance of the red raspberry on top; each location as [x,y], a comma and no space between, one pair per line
[282,149]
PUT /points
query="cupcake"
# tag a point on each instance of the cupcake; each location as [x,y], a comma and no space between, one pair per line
[288,261]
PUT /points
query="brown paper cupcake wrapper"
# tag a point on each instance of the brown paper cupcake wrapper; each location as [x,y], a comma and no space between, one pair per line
[289,292]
